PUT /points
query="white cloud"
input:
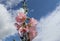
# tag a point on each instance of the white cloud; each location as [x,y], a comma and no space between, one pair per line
[0,40]
[50,27]
[10,3]
[6,25]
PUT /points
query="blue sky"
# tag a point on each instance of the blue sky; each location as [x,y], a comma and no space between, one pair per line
[37,9]
[40,7]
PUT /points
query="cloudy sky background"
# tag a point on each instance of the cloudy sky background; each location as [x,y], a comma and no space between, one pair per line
[47,12]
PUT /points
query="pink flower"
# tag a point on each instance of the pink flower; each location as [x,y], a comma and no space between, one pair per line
[21,17]
[31,30]
[21,30]
[32,22]
[32,33]
[17,26]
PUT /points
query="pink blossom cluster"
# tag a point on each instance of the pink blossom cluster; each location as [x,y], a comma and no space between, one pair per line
[27,27]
